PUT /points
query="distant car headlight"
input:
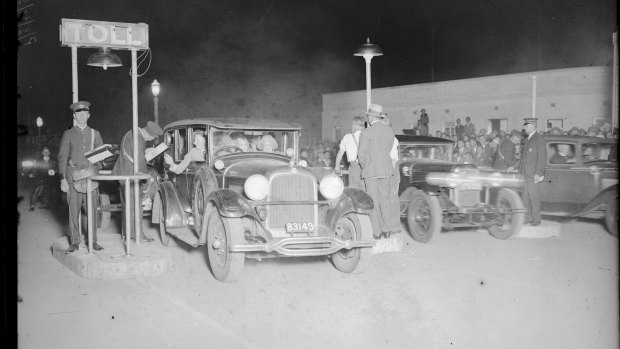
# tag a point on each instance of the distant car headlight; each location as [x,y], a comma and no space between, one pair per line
[331,186]
[302,163]
[290,152]
[256,187]
[27,164]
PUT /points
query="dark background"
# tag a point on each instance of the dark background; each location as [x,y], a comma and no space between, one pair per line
[275,58]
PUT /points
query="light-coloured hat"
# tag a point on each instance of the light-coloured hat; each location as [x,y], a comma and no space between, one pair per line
[79,106]
[375,110]
[530,121]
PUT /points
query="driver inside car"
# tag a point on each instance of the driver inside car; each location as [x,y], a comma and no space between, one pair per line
[238,139]
[197,153]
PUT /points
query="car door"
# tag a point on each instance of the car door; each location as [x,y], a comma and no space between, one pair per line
[186,178]
[564,190]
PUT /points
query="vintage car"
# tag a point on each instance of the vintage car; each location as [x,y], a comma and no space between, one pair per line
[436,193]
[581,179]
[257,203]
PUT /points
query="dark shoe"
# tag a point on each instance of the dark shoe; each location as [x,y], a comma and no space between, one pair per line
[72,248]
[146,239]
[535,224]
[376,237]
[386,234]
[97,247]
[31,208]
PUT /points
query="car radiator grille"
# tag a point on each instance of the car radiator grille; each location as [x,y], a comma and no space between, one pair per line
[291,187]
[468,198]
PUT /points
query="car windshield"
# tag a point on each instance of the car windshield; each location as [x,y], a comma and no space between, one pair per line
[228,141]
[430,152]
[595,151]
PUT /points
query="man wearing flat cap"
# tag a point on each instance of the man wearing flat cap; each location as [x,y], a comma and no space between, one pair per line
[506,158]
[532,168]
[375,145]
[75,142]
[124,167]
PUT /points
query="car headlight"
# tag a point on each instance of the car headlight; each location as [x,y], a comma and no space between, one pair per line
[27,164]
[290,152]
[256,187]
[331,186]
[302,163]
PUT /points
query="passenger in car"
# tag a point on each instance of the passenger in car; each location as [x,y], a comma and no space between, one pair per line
[564,155]
[267,143]
[239,140]
[198,153]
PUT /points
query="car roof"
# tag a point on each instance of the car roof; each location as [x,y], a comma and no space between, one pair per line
[422,139]
[238,123]
[567,138]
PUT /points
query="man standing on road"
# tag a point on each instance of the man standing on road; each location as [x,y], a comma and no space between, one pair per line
[75,142]
[124,167]
[350,144]
[532,168]
[44,169]
[376,142]
[506,159]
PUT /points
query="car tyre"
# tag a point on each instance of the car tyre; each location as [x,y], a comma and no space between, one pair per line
[354,227]
[223,232]
[508,199]
[103,217]
[611,218]
[163,235]
[204,183]
[424,216]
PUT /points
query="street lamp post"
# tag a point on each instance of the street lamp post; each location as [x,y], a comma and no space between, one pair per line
[39,125]
[155,90]
[368,51]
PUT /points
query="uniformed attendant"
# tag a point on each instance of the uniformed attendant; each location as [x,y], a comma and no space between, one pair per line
[75,142]
[124,167]
[532,168]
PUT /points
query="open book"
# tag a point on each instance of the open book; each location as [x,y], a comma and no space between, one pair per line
[153,152]
[99,153]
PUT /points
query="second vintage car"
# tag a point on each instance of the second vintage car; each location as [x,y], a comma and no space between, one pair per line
[437,194]
[251,197]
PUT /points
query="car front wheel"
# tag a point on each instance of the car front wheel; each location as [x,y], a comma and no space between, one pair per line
[165,238]
[611,218]
[508,200]
[423,216]
[355,259]
[222,233]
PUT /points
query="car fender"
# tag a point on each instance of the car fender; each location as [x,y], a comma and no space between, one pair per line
[172,206]
[231,203]
[351,200]
[609,194]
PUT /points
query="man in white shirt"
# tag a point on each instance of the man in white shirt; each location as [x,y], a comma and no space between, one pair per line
[349,144]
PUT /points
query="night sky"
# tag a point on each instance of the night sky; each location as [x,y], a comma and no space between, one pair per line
[274,58]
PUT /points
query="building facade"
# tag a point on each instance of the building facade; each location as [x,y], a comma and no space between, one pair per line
[562,98]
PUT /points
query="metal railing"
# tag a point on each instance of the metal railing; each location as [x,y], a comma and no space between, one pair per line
[136,193]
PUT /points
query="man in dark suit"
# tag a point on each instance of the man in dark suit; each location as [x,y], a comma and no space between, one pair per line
[75,142]
[43,171]
[532,168]
[124,167]
[375,145]
[506,159]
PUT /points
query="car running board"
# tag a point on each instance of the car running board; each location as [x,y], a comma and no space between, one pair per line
[184,234]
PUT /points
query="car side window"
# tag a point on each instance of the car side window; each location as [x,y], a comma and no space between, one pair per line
[560,153]
[595,151]
[180,144]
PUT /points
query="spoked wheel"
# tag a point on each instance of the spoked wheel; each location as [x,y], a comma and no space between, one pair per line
[165,238]
[355,259]
[103,217]
[204,183]
[223,232]
[508,200]
[423,216]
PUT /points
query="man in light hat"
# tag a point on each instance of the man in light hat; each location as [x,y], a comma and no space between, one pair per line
[375,144]
[124,167]
[506,158]
[532,168]
[75,142]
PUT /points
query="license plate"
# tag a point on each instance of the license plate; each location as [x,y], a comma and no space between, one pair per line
[470,186]
[298,227]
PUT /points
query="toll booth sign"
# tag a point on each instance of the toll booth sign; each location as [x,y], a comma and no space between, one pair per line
[115,35]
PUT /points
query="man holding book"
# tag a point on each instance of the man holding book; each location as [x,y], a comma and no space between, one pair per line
[75,143]
[124,167]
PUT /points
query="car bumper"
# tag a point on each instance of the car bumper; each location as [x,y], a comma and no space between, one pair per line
[303,246]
